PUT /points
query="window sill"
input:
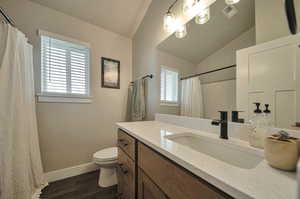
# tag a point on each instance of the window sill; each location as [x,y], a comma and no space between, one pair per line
[169,104]
[62,99]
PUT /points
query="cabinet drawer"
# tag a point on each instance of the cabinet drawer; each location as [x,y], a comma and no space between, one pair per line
[147,189]
[173,180]
[126,176]
[127,143]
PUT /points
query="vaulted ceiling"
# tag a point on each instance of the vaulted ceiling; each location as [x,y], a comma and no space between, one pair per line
[119,16]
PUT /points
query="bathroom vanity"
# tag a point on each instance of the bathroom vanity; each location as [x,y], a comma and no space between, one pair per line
[145,173]
[158,160]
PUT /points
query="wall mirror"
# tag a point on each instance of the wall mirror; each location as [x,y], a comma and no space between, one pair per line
[211,48]
[217,84]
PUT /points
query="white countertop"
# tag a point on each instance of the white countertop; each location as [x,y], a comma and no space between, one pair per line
[261,182]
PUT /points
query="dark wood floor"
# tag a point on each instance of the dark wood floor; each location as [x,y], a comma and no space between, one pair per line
[79,187]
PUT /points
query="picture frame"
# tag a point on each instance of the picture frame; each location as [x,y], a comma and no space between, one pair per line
[110,73]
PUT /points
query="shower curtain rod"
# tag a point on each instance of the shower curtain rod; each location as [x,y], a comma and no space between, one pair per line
[212,71]
[7,18]
[146,76]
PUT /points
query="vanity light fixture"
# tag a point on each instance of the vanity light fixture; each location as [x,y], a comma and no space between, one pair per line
[231,2]
[169,22]
[188,5]
[200,9]
[203,17]
[192,8]
[181,31]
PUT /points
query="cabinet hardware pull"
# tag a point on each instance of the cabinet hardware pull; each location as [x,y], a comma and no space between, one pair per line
[123,142]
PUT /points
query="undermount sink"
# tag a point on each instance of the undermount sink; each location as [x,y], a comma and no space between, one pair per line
[223,150]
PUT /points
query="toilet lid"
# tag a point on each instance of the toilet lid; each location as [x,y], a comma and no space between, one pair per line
[107,154]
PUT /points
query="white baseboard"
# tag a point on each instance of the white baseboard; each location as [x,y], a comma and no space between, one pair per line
[70,172]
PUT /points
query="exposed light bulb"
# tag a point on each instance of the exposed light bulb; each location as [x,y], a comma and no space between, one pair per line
[231,2]
[181,31]
[188,5]
[169,22]
[203,17]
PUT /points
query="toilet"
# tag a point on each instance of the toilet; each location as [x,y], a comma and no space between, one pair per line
[107,161]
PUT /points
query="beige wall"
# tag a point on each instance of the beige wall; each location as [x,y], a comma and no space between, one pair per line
[70,133]
[226,56]
[270,19]
[147,59]
[219,88]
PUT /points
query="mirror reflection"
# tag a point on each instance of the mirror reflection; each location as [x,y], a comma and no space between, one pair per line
[233,72]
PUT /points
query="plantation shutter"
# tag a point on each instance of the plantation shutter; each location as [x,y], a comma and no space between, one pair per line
[64,68]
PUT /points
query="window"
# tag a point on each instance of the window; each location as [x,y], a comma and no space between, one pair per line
[169,86]
[64,68]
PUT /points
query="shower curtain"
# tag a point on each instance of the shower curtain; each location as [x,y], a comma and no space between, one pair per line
[21,172]
[191,98]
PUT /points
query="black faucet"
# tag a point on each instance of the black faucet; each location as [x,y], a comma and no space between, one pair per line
[235,117]
[224,124]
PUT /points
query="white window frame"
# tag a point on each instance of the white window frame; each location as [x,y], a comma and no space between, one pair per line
[65,97]
[164,102]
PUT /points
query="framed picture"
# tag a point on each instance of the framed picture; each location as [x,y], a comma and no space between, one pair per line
[110,73]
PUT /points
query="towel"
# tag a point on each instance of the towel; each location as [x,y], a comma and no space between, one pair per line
[138,106]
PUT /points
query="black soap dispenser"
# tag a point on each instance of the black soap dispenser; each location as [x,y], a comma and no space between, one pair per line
[257,110]
[267,111]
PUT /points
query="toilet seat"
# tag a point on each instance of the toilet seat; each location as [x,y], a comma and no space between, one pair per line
[106,156]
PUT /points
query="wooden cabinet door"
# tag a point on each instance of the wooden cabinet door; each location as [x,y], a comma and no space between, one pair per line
[147,189]
[174,181]
[126,176]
